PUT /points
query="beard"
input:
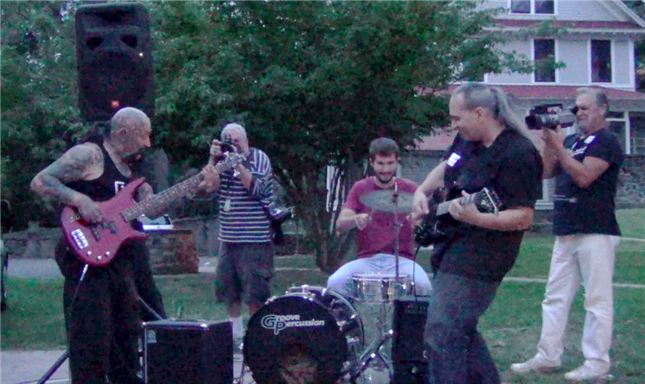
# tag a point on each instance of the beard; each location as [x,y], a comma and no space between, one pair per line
[383,180]
[135,160]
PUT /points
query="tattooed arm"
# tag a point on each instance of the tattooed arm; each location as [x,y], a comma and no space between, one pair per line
[81,162]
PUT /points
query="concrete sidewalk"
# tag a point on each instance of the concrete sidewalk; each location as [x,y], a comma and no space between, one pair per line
[20,367]
[26,367]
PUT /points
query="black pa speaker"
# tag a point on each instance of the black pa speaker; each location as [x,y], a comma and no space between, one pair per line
[180,352]
[114,61]
[410,365]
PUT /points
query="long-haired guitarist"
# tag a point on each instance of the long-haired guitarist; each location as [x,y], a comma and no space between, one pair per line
[491,151]
[102,312]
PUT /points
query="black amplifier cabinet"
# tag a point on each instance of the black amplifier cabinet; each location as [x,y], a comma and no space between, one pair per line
[410,365]
[187,352]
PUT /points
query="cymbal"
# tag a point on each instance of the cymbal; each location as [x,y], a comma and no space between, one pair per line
[384,201]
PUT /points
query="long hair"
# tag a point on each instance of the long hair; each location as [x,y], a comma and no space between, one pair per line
[495,101]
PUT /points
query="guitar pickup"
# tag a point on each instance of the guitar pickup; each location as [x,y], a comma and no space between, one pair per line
[79,238]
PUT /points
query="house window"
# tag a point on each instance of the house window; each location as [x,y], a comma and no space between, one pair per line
[532,6]
[544,54]
[637,131]
[616,123]
[601,61]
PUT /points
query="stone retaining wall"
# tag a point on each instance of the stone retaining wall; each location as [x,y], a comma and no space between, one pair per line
[631,187]
[38,242]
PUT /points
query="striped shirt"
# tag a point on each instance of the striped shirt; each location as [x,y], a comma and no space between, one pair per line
[245,221]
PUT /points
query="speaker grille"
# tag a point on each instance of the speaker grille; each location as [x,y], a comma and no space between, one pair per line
[410,366]
[114,60]
[111,80]
[178,352]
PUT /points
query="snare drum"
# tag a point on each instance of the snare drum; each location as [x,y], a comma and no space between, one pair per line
[310,335]
[381,287]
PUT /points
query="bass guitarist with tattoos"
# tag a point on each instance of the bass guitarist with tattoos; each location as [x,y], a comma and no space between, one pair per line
[101,311]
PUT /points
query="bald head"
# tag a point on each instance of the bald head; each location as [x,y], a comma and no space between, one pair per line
[129,131]
[131,119]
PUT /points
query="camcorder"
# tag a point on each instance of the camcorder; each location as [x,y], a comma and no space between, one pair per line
[550,116]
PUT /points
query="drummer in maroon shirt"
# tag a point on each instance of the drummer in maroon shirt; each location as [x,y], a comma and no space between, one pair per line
[371,209]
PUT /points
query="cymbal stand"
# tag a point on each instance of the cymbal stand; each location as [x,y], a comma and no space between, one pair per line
[397,230]
[373,349]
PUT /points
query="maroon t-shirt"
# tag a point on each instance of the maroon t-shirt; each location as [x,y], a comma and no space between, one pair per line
[379,235]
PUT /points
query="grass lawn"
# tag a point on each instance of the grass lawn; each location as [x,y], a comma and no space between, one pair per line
[511,326]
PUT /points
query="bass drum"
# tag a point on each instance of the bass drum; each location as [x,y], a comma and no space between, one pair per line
[309,335]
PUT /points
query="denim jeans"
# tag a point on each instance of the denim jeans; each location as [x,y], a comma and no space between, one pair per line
[456,350]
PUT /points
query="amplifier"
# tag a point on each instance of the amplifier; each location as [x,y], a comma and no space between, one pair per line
[408,324]
[196,352]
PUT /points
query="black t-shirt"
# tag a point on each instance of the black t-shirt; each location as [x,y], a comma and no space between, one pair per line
[101,189]
[108,184]
[512,167]
[591,209]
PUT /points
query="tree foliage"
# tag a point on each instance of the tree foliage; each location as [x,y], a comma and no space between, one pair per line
[639,8]
[313,82]
[39,113]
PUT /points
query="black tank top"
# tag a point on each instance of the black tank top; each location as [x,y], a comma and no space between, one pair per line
[108,184]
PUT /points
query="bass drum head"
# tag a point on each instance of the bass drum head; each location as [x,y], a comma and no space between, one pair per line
[294,339]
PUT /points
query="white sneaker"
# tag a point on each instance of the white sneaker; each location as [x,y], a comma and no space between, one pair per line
[585,372]
[533,365]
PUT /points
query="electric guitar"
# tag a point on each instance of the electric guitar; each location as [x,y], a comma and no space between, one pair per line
[430,231]
[96,244]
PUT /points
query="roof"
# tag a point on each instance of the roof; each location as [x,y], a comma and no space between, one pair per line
[526,96]
[574,24]
[563,92]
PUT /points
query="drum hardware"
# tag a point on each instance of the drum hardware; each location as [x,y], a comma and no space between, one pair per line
[371,353]
[376,291]
[311,334]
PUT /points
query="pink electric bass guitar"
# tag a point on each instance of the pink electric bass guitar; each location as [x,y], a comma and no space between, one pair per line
[97,244]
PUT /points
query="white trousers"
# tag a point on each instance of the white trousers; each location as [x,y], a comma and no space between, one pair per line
[341,280]
[588,259]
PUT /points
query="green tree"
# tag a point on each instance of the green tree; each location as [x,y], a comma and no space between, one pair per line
[639,8]
[314,83]
[39,113]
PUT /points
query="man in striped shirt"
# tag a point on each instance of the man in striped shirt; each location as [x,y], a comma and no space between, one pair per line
[245,264]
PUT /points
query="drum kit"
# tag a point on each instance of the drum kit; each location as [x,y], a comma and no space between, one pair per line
[314,335]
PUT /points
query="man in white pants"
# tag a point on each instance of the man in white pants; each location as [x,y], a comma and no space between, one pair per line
[377,229]
[586,165]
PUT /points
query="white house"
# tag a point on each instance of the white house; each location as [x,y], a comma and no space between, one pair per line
[596,46]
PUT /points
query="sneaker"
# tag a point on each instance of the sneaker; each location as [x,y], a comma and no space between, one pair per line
[584,372]
[533,365]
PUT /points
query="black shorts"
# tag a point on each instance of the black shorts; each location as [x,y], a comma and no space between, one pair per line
[243,272]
